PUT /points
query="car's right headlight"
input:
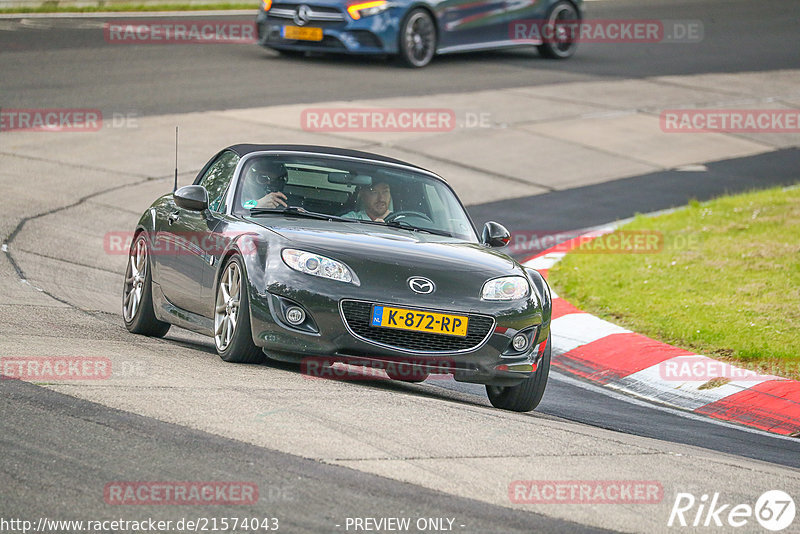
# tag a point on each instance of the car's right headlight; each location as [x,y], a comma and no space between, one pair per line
[318,265]
[506,288]
[367,9]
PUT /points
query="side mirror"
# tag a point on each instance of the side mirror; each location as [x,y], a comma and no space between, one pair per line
[495,234]
[192,198]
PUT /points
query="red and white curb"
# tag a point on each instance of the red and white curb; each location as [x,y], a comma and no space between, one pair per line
[611,356]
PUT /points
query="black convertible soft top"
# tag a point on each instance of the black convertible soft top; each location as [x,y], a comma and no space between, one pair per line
[243,149]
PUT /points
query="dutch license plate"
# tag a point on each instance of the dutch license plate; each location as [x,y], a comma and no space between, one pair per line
[419,321]
[301,34]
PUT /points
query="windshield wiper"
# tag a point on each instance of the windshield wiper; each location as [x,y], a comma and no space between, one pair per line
[408,226]
[302,212]
[297,211]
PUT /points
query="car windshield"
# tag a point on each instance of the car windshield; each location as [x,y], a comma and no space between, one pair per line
[371,193]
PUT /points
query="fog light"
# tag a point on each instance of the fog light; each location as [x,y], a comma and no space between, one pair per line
[520,342]
[517,368]
[295,315]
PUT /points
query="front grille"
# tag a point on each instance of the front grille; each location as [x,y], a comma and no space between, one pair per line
[316,9]
[357,316]
[324,24]
[315,13]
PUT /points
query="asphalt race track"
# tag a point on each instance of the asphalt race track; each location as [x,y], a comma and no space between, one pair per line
[156,450]
[325,451]
[74,65]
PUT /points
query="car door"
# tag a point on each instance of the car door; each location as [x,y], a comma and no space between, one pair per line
[187,241]
[465,23]
[520,18]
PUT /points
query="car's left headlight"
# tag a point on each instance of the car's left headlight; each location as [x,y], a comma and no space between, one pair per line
[367,9]
[506,288]
[317,265]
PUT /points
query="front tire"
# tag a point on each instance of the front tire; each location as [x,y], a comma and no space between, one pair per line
[232,331]
[527,395]
[562,16]
[137,294]
[417,39]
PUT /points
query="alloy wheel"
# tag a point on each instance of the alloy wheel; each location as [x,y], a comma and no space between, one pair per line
[420,39]
[135,276]
[226,312]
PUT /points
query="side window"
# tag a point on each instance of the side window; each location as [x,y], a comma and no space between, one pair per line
[217,178]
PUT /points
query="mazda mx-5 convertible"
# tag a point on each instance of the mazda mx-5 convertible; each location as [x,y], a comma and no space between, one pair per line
[330,257]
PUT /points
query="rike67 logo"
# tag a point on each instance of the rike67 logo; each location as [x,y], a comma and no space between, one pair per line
[774,510]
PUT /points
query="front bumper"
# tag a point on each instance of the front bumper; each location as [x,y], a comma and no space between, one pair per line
[329,334]
[375,34]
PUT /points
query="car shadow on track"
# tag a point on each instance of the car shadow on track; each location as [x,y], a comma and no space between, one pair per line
[190,340]
[354,61]
[436,387]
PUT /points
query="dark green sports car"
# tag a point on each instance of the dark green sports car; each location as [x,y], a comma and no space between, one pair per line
[330,257]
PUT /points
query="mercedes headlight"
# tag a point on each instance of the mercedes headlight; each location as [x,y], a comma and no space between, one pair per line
[506,288]
[367,9]
[317,265]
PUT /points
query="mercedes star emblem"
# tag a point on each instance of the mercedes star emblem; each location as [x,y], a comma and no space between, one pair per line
[302,15]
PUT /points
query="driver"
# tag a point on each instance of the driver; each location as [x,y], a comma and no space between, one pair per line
[375,202]
[263,185]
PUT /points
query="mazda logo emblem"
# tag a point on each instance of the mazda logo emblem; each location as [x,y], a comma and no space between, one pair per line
[422,285]
[302,15]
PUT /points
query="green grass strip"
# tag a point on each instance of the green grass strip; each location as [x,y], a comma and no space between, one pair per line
[724,280]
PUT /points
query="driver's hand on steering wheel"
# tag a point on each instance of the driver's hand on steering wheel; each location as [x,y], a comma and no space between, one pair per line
[272,200]
[382,217]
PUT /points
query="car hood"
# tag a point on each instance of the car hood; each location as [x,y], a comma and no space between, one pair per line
[386,257]
[392,246]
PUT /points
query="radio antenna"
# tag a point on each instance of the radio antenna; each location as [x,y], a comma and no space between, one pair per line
[175,185]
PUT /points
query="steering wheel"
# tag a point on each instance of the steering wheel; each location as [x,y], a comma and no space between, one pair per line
[400,214]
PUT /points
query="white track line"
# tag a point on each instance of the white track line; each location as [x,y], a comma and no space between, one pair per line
[577,329]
